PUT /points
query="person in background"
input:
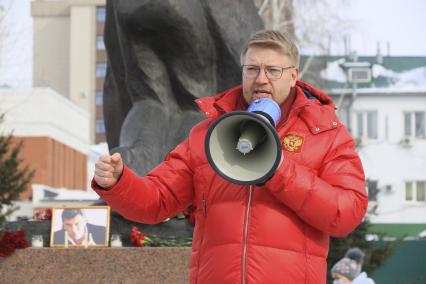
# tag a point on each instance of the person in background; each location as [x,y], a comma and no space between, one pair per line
[275,232]
[348,269]
[77,231]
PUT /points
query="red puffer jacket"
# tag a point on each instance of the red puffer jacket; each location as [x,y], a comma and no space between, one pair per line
[275,233]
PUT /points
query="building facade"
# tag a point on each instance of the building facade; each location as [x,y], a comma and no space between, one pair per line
[389,128]
[383,104]
[55,134]
[69,54]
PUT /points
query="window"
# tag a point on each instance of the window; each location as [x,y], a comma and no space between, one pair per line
[366,124]
[100,14]
[420,191]
[100,45]
[99,98]
[359,75]
[408,191]
[100,70]
[415,191]
[414,124]
[100,126]
[372,190]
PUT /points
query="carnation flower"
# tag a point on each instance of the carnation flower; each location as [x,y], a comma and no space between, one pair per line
[11,241]
[138,238]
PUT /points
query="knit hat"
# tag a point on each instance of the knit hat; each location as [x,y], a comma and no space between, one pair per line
[350,265]
[355,254]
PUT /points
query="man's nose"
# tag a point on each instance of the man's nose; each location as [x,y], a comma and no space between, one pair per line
[261,78]
[74,228]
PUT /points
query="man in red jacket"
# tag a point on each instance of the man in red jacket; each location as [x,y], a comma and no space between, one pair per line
[277,232]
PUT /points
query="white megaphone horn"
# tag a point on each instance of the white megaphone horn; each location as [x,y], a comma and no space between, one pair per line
[243,146]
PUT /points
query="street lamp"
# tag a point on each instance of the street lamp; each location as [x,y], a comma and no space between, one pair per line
[356,72]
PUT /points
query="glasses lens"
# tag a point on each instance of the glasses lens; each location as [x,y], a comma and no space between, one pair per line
[250,71]
[274,72]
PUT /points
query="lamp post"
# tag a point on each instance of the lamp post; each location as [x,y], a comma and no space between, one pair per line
[357,72]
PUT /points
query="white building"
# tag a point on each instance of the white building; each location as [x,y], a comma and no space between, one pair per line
[55,132]
[36,112]
[390,129]
[389,126]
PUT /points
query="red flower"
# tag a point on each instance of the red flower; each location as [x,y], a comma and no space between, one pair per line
[139,239]
[20,234]
[11,241]
[23,244]
[43,214]
[48,214]
[7,236]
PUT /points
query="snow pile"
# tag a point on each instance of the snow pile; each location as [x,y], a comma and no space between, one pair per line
[410,79]
[334,72]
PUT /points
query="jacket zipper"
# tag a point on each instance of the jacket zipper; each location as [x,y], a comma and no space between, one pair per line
[204,212]
[245,235]
[204,205]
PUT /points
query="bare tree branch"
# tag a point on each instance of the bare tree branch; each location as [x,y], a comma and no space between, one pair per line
[306,66]
[263,7]
[313,23]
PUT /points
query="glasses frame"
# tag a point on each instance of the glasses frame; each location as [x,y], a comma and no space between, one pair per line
[267,73]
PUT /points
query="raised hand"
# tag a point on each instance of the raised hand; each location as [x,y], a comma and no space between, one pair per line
[108,170]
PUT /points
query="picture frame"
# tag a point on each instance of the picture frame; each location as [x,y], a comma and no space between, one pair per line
[80,226]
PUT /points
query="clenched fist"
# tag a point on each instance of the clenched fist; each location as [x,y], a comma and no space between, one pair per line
[108,170]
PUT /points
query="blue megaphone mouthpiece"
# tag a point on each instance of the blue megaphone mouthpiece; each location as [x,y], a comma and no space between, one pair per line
[268,108]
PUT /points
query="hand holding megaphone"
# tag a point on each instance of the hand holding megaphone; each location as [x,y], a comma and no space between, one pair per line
[243,146]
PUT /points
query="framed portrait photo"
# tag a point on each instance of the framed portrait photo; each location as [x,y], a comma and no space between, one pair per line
[80,226]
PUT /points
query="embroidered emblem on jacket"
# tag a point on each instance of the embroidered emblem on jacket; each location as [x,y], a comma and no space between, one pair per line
[293,142]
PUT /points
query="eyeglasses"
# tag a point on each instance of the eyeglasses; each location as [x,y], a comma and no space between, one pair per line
[271,72]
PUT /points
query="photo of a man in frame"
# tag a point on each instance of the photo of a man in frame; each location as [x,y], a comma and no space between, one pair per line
[76,230]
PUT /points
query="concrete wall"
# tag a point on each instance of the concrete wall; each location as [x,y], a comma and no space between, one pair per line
[65,50]
[82,56]
[51,49]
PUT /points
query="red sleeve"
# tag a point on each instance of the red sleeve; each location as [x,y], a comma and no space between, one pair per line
[332,200]
[164,192]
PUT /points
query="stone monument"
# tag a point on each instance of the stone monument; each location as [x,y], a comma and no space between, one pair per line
[162,55]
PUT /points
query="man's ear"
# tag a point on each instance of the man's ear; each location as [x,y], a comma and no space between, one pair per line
[294,76]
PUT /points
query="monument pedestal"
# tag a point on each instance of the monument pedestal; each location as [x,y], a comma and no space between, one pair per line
[97,265]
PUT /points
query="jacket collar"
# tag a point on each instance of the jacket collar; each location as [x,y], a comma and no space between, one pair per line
[315,108]
[307,105]
[229,100]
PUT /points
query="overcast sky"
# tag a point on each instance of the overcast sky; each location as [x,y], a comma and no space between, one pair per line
[401,23]
[366,24]
[15,43]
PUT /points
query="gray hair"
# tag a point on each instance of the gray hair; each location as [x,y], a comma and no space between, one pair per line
[273,39]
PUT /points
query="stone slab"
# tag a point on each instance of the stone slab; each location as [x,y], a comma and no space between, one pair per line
[97,265]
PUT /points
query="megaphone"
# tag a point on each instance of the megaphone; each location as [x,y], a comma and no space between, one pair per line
[243,146]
